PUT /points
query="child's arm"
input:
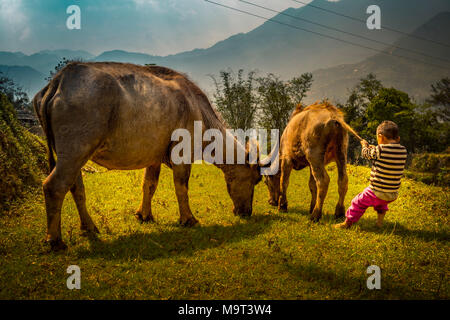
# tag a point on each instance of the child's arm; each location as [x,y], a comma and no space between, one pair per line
[369,151]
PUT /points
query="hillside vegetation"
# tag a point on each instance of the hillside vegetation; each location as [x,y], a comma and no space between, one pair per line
[22,157]
[268,256]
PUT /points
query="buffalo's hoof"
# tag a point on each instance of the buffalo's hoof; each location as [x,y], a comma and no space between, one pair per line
[141,219]
[339,212]
[89,230]
[315,217]
[189,222]
[57,245]
[282,207]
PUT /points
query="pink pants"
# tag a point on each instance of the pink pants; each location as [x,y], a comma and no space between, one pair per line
[362,201]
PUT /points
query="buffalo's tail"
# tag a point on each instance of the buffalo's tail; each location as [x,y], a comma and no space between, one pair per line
[40,103]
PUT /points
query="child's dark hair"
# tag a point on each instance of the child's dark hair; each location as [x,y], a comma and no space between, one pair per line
[388,129]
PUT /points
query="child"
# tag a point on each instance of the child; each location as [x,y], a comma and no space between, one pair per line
[387,170]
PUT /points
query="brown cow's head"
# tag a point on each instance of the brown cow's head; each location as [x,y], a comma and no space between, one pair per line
[241,180]
[273,184]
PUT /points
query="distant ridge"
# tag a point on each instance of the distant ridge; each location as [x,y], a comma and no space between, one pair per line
[413,78]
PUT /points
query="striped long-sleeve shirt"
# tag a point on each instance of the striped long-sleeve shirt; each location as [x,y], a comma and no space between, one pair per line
[387,170]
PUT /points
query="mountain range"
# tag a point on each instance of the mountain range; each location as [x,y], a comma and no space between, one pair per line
[286,49]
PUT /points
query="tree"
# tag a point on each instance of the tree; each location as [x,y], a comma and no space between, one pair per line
[61,64]
[14,93]
[441,92]
[235,98]
[421,126]
[440,97]
[277,99]
[392,104]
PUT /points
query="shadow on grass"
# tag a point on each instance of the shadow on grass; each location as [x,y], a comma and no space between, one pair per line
[326,217]
[178,241]
[369,225]
[298,210]
[352,286]
[397,229]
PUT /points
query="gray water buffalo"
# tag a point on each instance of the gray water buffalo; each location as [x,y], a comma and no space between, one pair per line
[122,116]
[314,136]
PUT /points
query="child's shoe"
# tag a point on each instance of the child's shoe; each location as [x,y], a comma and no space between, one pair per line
[344,225]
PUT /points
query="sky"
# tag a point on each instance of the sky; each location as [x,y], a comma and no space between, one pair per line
[158,27]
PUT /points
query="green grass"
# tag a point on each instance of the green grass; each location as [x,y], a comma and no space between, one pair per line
[269,256]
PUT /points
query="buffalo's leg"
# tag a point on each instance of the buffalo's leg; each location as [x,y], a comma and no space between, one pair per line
[149,184]
[181,175]
[313,189]
[79,196]
[55,187]
[322,182]
[286,168]
[341,161]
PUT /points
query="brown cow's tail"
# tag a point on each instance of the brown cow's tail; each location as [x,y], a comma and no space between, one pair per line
[40,103]
[347,127]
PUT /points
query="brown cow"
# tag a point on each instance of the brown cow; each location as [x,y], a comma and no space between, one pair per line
[122,116]
[314,136]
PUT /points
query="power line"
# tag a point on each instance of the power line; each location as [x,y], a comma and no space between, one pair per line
[363,21]
[346,32]
[324,35]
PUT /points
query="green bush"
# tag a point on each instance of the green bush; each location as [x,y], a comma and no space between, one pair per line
[431,168]
[430,162]
[22,157]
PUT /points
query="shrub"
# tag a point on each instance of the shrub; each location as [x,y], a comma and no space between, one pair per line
[22,157]
[431,168]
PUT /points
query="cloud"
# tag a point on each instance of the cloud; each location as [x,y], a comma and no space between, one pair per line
[11,14]
[158,27]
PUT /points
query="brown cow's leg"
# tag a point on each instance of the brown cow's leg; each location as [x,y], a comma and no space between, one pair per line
[149,184]
[322,181]
[286,168]
[341,161]
[55,189]
[313,189]
[79,196]
[181,175]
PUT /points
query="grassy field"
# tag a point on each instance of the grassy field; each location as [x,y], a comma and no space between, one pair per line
[269,256]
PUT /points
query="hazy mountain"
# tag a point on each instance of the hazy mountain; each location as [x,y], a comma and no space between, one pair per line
[287,51]
[42,61]
[29,79]
[69,54]
[125,56]
[404,74]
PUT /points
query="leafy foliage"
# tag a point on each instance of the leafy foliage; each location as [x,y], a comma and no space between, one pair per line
[440,98]
[441,92]
[421,126]
[61,64]
[14,93]
[430,168]
[22,156]
[235,99]
[277,99]
[266,101]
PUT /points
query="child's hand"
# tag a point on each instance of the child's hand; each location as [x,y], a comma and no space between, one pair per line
[364,143]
